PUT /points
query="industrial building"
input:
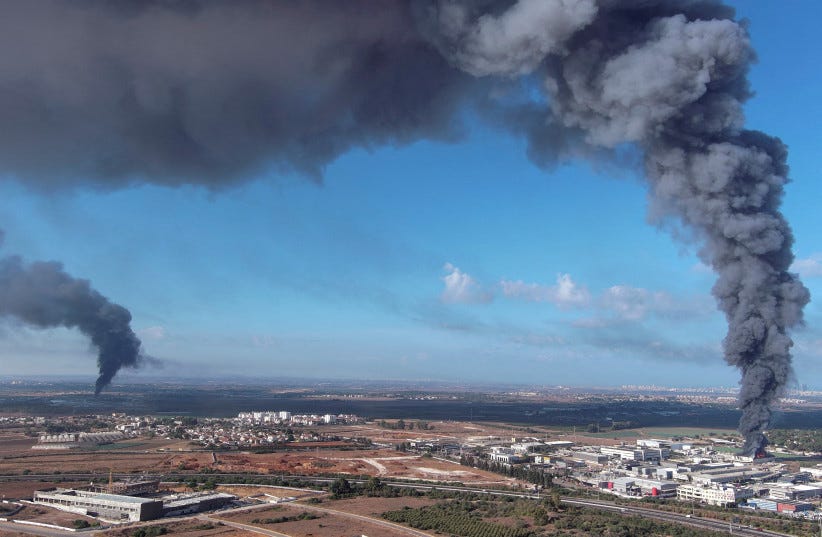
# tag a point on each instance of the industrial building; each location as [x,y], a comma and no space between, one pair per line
[587,456]
[795,492]
[112,507]
[559,444]
[760,503]
[505,456]
[781,506]
[631,486]
[814,471]
[636,454]
[184,504]
[729,475]
[128,488]
[789,506]
[121,508]
[722,496]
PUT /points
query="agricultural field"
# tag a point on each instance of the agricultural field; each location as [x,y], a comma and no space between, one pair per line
[317,521]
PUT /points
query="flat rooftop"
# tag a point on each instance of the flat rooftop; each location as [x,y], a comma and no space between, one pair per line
[69,493]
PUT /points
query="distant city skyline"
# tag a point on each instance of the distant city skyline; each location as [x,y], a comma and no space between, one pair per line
[439,260]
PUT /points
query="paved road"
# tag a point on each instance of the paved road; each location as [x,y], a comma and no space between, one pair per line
[34,530]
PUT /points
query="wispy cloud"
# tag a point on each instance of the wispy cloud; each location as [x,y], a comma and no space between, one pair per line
[809,267]
[635,303]
[461,288]
[615,304]
[565,293]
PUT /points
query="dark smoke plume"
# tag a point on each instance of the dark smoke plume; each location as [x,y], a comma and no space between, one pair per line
[43,295]
[108,93]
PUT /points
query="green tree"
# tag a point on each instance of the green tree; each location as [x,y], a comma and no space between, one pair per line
[373,485]
[555,501]
[340,487]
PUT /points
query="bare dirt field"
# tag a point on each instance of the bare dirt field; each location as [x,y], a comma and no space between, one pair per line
[81,461]
[15,443]
[244,491]
[376,506]
[47,515]
[24,490]
[385,463]
[157,455]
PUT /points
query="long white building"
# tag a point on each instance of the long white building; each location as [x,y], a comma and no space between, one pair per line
[112,507]
[722,496]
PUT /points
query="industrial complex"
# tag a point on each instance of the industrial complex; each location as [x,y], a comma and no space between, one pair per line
[126,508]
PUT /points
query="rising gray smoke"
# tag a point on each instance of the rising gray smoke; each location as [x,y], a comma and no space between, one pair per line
[210,92]
[43,295]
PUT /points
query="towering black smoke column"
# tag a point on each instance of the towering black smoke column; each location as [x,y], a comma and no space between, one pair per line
[210,93]
[671,77]
[42,295]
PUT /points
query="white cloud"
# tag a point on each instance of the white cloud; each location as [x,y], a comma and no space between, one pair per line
[461,288]
[565,294]
[636,303]
[569,293]
[810,267]
[633,303]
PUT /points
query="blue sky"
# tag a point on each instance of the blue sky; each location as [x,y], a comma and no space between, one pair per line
[430,261]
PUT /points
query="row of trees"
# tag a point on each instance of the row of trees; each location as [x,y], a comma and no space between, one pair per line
[610,426]
[534,475]
[401,425]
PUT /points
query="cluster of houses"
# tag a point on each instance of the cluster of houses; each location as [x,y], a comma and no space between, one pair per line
[284,417]
[246,430]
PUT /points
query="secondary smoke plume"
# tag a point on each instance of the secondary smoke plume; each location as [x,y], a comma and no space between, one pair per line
[207,92]
[42,295]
